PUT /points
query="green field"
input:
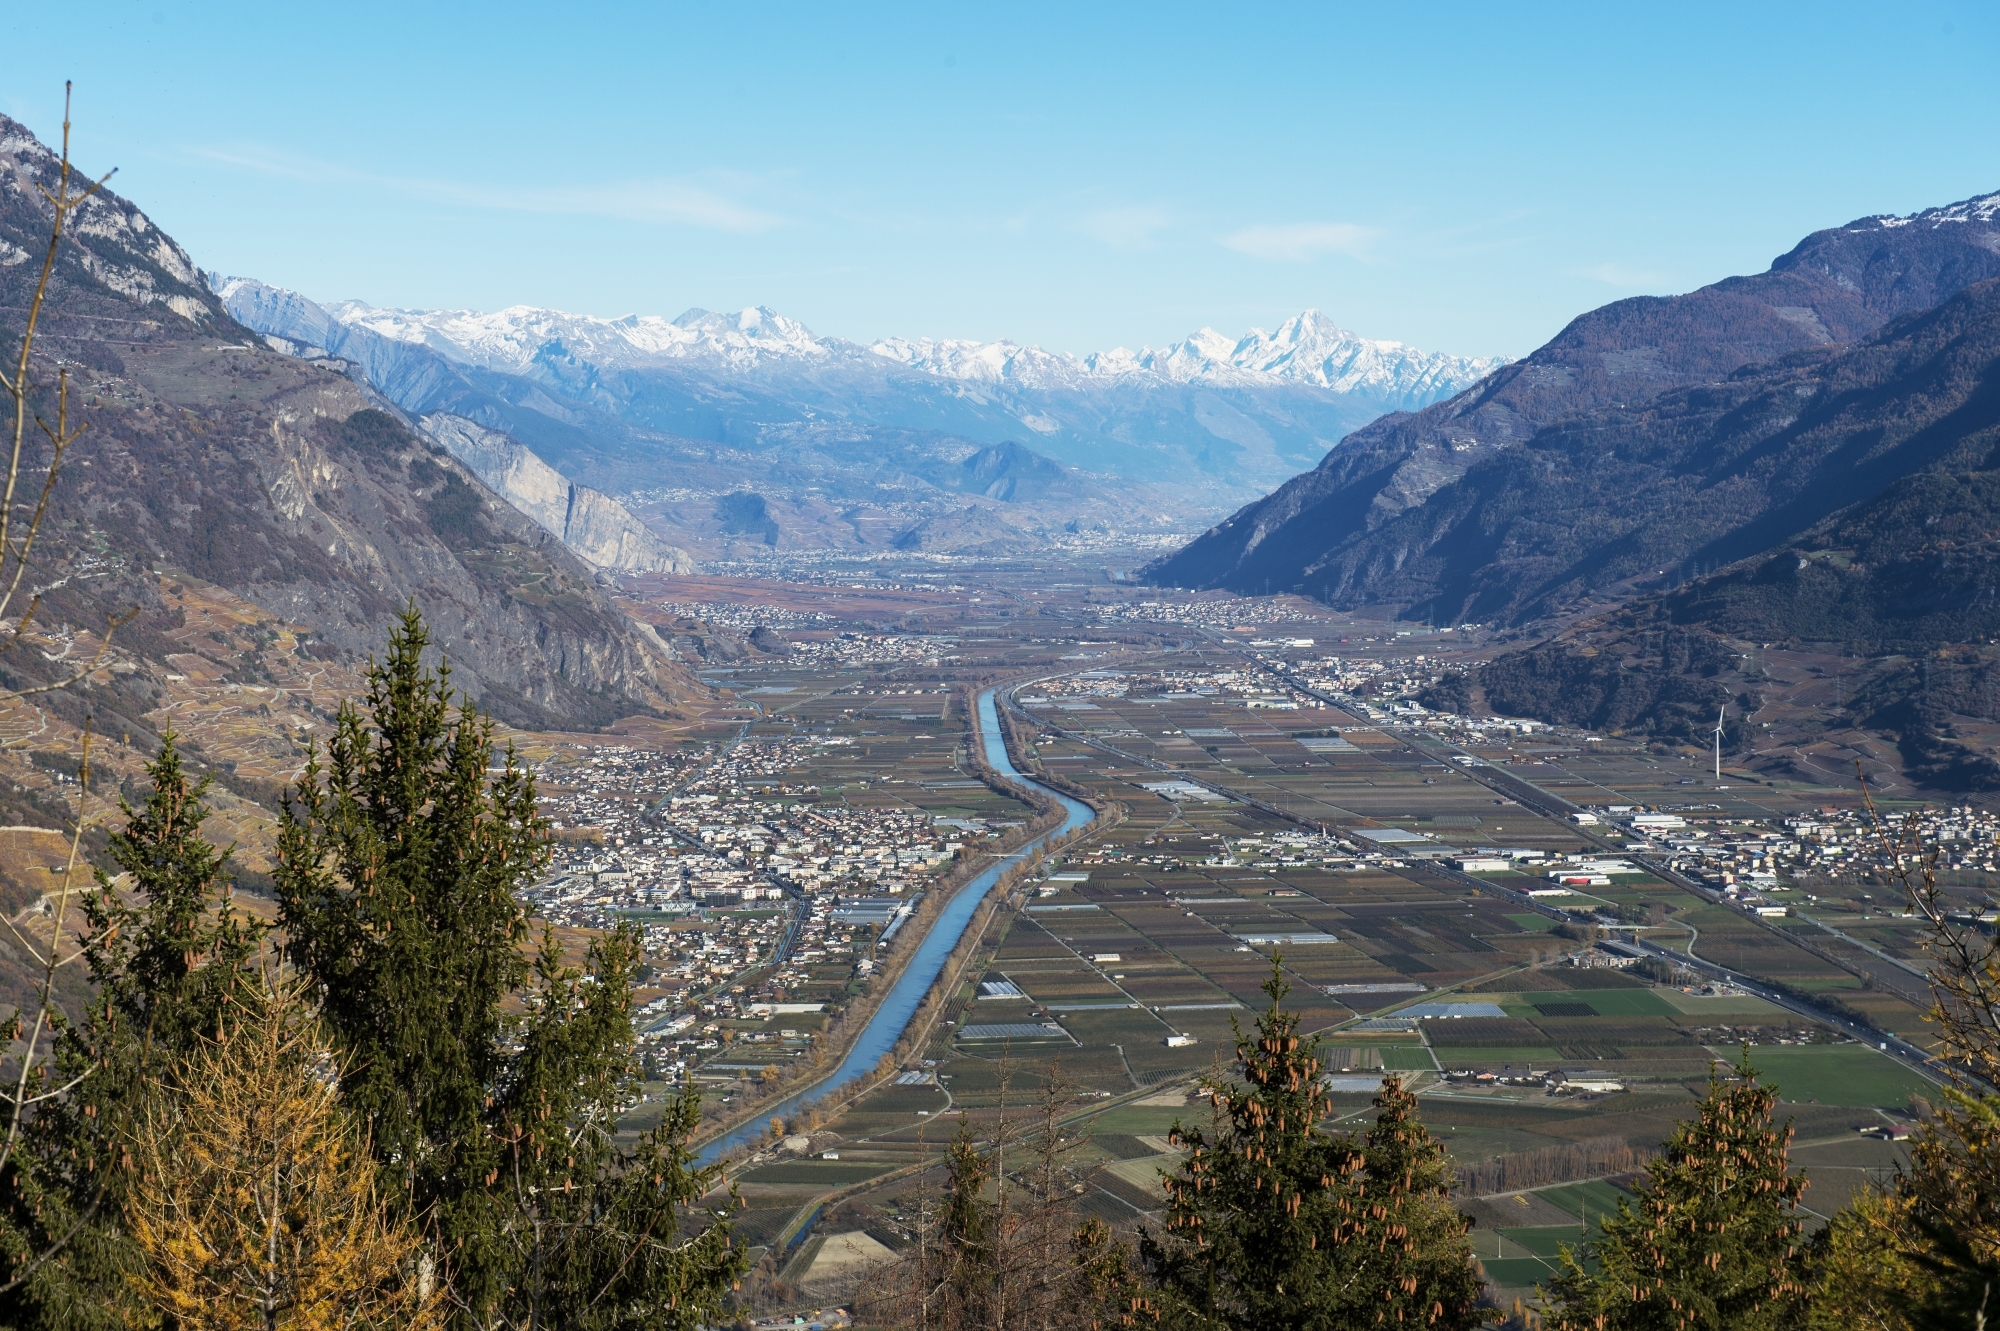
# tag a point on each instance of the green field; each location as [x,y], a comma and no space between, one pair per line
[1520,1056]
[1548,1240]
[1594,1199]
[1718,1005]
[1605,1002]
[1840,1074]
[1408,1058]
[1149,1120]
[1518,1272]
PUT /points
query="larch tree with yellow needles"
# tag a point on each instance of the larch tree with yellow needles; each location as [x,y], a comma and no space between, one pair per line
[255,1205]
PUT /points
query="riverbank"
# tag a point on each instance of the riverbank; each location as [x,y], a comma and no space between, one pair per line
[902,1004]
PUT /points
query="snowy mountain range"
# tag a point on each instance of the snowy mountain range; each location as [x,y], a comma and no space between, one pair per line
[1308,348]
[1210,419]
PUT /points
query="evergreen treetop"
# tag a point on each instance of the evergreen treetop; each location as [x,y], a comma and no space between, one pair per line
[398,859]
[1714,1241]
[1272,1222]
[167,964]
[490,1084]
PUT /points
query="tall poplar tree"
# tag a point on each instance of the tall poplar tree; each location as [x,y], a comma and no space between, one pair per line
[1274,1223]
[489,1085]
[1715,1241]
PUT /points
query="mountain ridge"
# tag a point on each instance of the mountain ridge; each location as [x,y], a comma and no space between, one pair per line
[1318,532]
[825,482]
[1189,421]
[1307,348]
[209,457]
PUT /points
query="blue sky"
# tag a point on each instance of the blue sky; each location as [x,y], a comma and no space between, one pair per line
[1460,177]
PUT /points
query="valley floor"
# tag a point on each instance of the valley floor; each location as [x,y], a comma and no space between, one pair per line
[1276,799]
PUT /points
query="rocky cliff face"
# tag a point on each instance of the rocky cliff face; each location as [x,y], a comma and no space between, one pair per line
[211,456]
[591,523]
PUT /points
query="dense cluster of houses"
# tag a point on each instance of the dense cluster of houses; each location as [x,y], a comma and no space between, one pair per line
[749,889]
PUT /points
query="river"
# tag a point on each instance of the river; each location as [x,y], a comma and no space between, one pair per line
[886,1026]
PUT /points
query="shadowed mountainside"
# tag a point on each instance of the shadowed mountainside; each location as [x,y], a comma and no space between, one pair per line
[1618,501]
[1389,496]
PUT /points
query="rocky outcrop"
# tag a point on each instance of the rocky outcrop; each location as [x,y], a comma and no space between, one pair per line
[969,531]
[210,456]
[591,523]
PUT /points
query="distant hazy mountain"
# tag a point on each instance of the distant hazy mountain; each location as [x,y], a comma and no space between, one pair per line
[1210,418]
[1308,349]
[824,482]
[1619,445]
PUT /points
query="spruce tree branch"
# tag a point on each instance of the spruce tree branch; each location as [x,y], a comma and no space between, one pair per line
[60,1091]
[49,1253]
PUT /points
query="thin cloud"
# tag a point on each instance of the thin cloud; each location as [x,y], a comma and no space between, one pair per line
[655,202]
[1299,242]
[1124,228]
[1618,275]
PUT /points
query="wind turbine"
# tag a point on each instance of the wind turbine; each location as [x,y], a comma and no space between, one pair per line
[1718,743]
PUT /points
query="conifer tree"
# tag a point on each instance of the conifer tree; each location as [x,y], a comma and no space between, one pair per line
[1424,1276]
[1001,1250]
[1928,1252]
[167,956]
[254,1204]
[1864,1276]
[400,856]
[595,1233]
[1272,1222]
[1715,1240]
[1109,1289]
[965,1245]
[948,1279]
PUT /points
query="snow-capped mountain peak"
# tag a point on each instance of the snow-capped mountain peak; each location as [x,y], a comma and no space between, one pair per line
[515,338]
[1231,416]
[1980,208]
[760,329]
[1308,348]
